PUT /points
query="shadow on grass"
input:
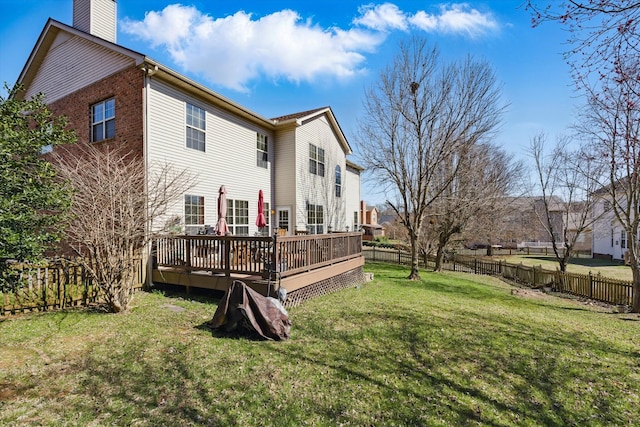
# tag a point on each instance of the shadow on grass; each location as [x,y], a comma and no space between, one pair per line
[479,378]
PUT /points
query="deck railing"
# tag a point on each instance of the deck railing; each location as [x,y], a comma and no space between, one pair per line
[265,256]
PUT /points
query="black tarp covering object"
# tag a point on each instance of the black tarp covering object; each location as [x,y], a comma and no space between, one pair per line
[243,308]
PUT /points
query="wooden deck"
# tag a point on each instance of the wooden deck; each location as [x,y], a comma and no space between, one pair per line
[263,263]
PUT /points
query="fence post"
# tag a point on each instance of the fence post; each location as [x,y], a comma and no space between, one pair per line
[399,261]
[590,285]
[475,266]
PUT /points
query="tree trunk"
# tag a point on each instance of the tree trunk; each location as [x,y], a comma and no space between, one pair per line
[635,305]
[563,264]
[415,274]
[439,258]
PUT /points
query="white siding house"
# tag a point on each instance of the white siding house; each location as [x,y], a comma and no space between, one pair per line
[298,161]
[609,237]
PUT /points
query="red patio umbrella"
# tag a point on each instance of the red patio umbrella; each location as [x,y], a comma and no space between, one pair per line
[222,229]
[261,221]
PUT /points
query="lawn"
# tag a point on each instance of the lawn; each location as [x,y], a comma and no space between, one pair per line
[451,349]
[613,269]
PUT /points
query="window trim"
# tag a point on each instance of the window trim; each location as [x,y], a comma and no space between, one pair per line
[315,213]
[317,165]
[235,220]
[262,150]
[189,215]
[338,180]
[104,121]
[194,127]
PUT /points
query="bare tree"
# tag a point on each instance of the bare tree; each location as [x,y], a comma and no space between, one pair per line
[418,115]
[116,207]
[485,177]
[565,206]
[597,31]
[605,59]
[611,120]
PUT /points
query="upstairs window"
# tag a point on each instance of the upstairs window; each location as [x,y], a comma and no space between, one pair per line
[262,151]
[103,120]
[338,181]
[196,127]
[316,160]
[623,240]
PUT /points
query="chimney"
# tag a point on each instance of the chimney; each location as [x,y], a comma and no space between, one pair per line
[96,17]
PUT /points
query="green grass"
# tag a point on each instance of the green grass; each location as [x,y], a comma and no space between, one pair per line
[613,269]
[450,349]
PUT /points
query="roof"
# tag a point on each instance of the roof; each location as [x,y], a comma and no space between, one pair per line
[350,164]
[52,28]
[298,119]
[299,115]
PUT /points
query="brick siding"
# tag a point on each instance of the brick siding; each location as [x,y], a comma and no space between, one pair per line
[127,88]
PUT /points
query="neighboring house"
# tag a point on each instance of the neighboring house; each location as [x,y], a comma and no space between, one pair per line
[610,239]
[369,222]
[118,97]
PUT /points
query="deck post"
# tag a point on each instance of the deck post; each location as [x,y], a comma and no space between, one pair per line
[276,257]
[227,257]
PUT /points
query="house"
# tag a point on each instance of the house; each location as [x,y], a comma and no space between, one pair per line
[115,96]
[609,238]
[369,222]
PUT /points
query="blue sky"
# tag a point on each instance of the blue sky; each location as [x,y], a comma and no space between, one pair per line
[281,57]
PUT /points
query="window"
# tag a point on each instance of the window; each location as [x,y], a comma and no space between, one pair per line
[196,126]
[103,120]
[316,160]
[262,151]
[355,220]
[193,210]
[606,205]
[283,219]
[338,181]
[623,239]
[238,217]
[315,219]
[267,214]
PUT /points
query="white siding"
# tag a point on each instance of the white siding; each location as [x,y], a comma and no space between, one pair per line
[73,63]
[315,189]
[352,196]
[285,165]
[229,158]
[97,17]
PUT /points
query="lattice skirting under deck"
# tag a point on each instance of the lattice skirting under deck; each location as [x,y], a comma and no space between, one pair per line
[345,280]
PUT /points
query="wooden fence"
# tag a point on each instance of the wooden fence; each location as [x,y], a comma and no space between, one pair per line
[596,287]
[58,284]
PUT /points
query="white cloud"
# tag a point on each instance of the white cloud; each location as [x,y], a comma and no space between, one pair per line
[237,49]
[381,17]
[457,18]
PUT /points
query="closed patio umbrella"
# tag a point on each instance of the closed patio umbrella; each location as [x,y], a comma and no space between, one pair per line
[222,229]
[261,221]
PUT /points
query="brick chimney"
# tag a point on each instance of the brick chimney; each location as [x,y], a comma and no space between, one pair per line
[96,17]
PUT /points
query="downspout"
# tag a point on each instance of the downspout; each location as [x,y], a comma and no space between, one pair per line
[148,72]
